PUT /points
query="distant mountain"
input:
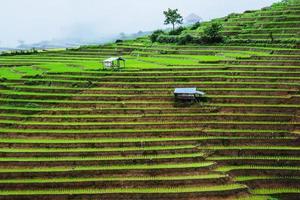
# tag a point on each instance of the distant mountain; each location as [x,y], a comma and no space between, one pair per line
[123,36]
[5,49]
[75,42]
[192,18]
[58,43]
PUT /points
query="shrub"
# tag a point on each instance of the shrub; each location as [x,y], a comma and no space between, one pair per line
[177,31]
[167,39]
[154,36]
[249,11]
[119,41]
[212,33]
[195,26]
[185,39]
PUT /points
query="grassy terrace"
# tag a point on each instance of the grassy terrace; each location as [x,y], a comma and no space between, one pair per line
[119,101]
[171,74]
[250,178]
[105,167]
[172,84]
[138,178]
[34,108]
[84,116]
[141,123]
[253,158]
[40,94]
[249,167]
[125,140]
[128,190]
[55,77]
[71,129]
[101,158]
[153,130]
[65,90]
[250,148]
[106,149]
[276,191]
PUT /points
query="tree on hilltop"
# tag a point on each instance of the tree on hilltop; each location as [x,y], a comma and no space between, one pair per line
[173,17]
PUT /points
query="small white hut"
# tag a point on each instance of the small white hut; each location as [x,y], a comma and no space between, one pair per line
[190,94]
[113,63]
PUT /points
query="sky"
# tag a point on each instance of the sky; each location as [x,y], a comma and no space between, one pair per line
[32,21]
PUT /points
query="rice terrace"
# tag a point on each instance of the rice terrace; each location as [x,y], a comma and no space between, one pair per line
[75,127]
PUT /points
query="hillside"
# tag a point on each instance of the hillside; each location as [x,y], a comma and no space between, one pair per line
[277,25]
[71,130]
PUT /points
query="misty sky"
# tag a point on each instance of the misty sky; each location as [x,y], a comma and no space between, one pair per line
[36,20]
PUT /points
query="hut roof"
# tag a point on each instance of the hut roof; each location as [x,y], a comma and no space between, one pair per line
[188,91]
[113,59]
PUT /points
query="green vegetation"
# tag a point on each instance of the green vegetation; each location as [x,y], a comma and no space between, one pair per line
[126,190]
[111,158]
[105,168]
[250,167]
[138,178]
[68,127]
[212,33]
[173,17]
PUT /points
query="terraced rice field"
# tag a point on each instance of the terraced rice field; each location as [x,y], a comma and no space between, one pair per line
[254,27]
[70,130]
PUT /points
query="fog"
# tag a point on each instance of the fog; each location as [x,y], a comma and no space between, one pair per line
[32,21]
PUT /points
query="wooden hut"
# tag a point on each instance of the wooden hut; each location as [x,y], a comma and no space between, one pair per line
[188,94]
[114,63]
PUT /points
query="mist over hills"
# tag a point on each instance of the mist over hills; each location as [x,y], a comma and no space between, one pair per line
[78,23]
[74,42]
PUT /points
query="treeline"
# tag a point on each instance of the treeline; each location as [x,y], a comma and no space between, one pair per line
[19,52]
[211,34]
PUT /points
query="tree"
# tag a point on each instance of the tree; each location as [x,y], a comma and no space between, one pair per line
[173,17]
[212,33]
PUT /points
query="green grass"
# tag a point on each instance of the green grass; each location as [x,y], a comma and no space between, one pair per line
[278,158]
[256,167]
[112,179]
[68,61]
[152,71]
[89,116]
[49,108]
[276,178]
[125,140]
[54,77]
[256,147]
[144,130]
[270,191]
[106,167]
[100,158]
[167,90]
[161,190]
[170,83]
[21,93]
[148,103]
[143,123]
[91,149]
